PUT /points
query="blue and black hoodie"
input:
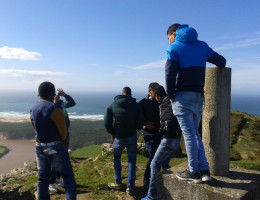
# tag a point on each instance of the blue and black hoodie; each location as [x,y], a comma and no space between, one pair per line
[186,62]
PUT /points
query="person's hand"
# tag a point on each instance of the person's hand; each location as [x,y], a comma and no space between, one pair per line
[171,100]
[61,92]
[113,138]
[56,99]
[149,125]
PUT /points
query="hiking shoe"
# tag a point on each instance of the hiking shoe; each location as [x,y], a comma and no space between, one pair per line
[52,188]
[114,185]
[129,191]
[205,175]
[148,197]
[188,176]
[59,182]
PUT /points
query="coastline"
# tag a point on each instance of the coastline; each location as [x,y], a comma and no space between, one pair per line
[22,120]
[14,120]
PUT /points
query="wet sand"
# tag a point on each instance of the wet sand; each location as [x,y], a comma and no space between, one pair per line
[20,152]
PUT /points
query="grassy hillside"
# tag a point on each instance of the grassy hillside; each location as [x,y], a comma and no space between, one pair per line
[93,172]
[245,140]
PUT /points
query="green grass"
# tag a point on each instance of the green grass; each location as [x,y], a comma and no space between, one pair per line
[28,183]
[93,176]
[245,140]
[247,164]
[85,152]
[2,150]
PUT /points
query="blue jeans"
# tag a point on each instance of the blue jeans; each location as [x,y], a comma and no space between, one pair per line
[130,144]
[54,174]
[162,158]
[152,141]
[187,107]
[61,162]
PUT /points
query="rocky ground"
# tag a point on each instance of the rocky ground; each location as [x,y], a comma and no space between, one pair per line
[11,189]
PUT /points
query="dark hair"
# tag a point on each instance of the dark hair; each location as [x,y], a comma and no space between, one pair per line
[152,85]
[127,91]
[46,89]
[159,91]
[172,28]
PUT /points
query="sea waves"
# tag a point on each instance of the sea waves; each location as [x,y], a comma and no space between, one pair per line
[24,115]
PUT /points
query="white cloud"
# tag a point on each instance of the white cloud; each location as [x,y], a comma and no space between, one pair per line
[152,65]
[18,54]
[235,45]
[19,73]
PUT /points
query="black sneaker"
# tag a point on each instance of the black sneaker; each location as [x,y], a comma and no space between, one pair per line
[188,176]
[205,175]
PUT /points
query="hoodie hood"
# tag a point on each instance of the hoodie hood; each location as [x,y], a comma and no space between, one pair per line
[186,34]
[124,101]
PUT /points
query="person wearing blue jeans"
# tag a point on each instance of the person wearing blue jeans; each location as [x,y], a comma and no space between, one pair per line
[152,142]
[68,103]
[130,144]
[61,161]
[48,121]
[123,118]
[185,77]
[150,130]
[170,143]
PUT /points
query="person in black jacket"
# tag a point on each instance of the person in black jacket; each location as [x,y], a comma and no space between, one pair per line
[123,118]
[170,143]
[150,131]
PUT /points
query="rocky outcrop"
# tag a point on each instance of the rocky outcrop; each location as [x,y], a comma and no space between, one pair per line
[108,147]
[9,189]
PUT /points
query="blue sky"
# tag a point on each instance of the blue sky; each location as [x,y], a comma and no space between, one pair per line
[104,45]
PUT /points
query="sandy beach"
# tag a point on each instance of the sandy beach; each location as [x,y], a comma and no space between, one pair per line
[14,120]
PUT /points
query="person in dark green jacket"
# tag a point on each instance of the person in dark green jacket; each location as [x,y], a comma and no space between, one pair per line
[123,118]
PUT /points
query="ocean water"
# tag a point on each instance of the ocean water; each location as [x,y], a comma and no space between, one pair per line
[91,105]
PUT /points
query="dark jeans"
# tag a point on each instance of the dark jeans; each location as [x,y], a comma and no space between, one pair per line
[152,142]
[61,162]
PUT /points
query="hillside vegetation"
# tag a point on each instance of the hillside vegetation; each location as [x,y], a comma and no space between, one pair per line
[245,140]
[244,136]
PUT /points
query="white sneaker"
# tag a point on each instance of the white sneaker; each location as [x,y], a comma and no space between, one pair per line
[52,188]
[59,182]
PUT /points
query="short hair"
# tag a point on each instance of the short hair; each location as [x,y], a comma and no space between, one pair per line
[172,28]
[152,85]
[159,91]
[127,91]
[45,89]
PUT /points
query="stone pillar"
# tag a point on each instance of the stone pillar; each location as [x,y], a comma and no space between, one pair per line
[216,119]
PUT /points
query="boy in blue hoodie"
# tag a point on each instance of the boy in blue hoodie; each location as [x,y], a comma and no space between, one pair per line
[185,78]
